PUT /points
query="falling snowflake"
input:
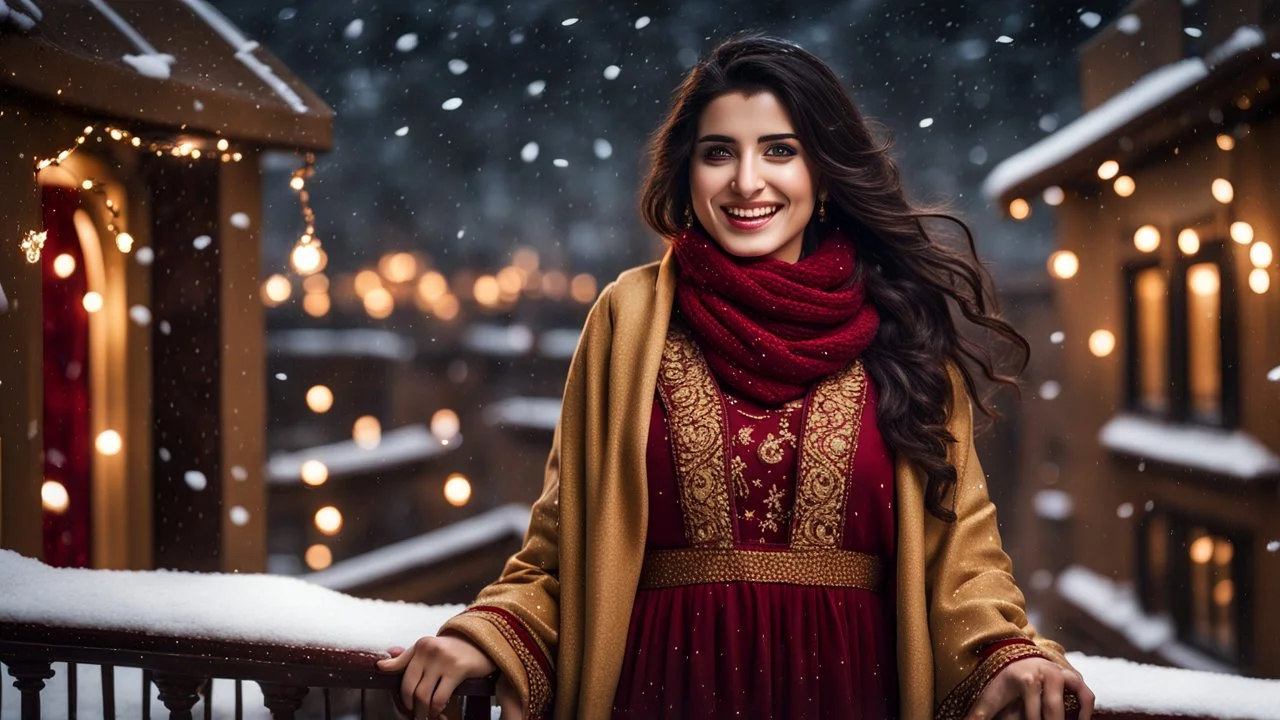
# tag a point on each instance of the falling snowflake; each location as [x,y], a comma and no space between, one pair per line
[536,87]
[165,455]
[452,103]
[529,152]
[239,473]
[1091,19]
[642,22]
[240,221]
[1129,24]
[603,148]
[402,131]
[140,314]
[612,72]
[1274,374]
[407,42]
[927,122]
[1057,337]
[1273,546]
[1004,39]
[354,29]
[457,67]
[239,516]
[560,162]
[568,22]
[1048,123]
[1125,510]
[165,328]
[195,480]
[145,256]
[1193,32]
[205,241]
[1050,389]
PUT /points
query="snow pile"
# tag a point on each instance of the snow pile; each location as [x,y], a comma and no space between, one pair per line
[1122,686]
[1226,452]
[535,413]
[449,541]
[498,340]
[24,17]
[214,606]
[1148,93]
[1053,505]
[408,444]
[359,342]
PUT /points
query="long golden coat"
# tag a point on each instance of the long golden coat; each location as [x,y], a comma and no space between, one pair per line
[573,584]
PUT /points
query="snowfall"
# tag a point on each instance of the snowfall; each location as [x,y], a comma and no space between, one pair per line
[292,611]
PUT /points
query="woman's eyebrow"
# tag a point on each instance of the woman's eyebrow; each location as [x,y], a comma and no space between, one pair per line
[762,139]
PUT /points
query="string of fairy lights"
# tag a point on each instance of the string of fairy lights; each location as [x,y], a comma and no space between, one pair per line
[308,256]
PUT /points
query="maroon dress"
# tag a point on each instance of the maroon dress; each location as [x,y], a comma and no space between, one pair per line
[768,582]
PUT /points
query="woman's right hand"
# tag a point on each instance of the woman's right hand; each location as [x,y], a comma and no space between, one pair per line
[435,666]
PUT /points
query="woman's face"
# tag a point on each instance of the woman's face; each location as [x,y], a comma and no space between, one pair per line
[753,188]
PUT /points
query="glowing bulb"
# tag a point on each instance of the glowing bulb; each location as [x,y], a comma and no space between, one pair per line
[1222,191]
[1223,592]
[306,258]
[297,183]
[319,557]
[447,307]
[1202,550]
[487,291]
[1242,232]
[1189,241]
[1124,186]
[1203,280]
[432,286]
[124,242]
[583,288]
[1226,142]
[54,497]
[398,267]
[314,473]
[1064,264]
[329,520]
[223,145]
[367,432]
[316,284]
[1223,551]
[1260,254]
[457,490]
[276,289]
[1019,209]
[1108,170]
[525,258]
[1101,343]
[445,424]
[109,442]
[319,398]
[555,284]
[1259,281]
[92,301]
[379,304]
[87,184]
[1146,238]
[510,282]
[366,281]
[64,265]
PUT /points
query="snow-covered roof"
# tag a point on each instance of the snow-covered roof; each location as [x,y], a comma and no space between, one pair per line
[534,413]
[353,342]
[1232,453]
[407,444]
[1143,101]
[427,549]
[176,64]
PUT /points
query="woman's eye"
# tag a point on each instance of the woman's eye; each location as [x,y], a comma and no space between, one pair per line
[781,151]
[716,152]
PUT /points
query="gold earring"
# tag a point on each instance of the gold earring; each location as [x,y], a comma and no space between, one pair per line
[822,211]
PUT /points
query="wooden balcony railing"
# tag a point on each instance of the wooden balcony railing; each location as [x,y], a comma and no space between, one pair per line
[179,669]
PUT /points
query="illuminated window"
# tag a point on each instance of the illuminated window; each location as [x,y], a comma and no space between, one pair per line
[1148,358]
[1204,340]
[1211,619]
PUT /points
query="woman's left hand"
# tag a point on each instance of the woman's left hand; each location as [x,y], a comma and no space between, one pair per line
[1032,689]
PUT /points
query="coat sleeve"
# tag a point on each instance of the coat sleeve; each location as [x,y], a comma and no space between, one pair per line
[516,619]
[977,615]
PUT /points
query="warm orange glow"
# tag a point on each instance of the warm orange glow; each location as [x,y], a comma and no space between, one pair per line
[1019,209]
[1108,170]
[1102,342]
[486,290]
[1224,592]
[432,286]
[276,290]
[319,398]
[1222,190]
[379,303]
[329,520]
[314,473]
[1226,142]
[367,432]
[1202,550]
[316,304]
[555,284]
[366,282]
[1064,264]
[318,283]
[319,557]
[92,301]
[54,497]
[1189,241]
[457,490]
[306,258]
[1259,281]
[109,442]
[510,282]
[1124,186]
[1054,195]
[398,267]
[1242,232]
[445,424]
[1146,238]
[297,183]
[446,308]
[1203,280]
[124,242]
[1260,255]
[525,258]
[1223,551]
[64,265]
[583,288]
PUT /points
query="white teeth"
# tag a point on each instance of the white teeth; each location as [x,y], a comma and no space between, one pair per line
[753,212]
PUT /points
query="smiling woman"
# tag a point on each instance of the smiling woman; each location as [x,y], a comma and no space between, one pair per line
[763,476]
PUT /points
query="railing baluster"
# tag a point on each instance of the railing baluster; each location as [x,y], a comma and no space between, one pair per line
[208,699]
[71,691]
[361,703]
[146,695]
[282,700]
[179,694]
[29,677]
[239,700]
[327,715]
[109,692]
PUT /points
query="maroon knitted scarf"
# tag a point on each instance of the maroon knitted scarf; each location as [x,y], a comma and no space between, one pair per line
[770,328]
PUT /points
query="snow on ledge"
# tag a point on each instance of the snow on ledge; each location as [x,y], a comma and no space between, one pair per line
[449,541]
[1150,91]
[214,606]
[411,443]
[533,413]
[357,342]
[1122,686]
[25,18]
[1234,453]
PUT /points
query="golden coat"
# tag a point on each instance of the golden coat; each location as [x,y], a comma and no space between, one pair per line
[574,582]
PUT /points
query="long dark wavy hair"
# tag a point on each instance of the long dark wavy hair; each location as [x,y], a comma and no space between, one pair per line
[919,284]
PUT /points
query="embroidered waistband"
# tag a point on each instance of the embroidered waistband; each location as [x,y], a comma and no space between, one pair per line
[695,566]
